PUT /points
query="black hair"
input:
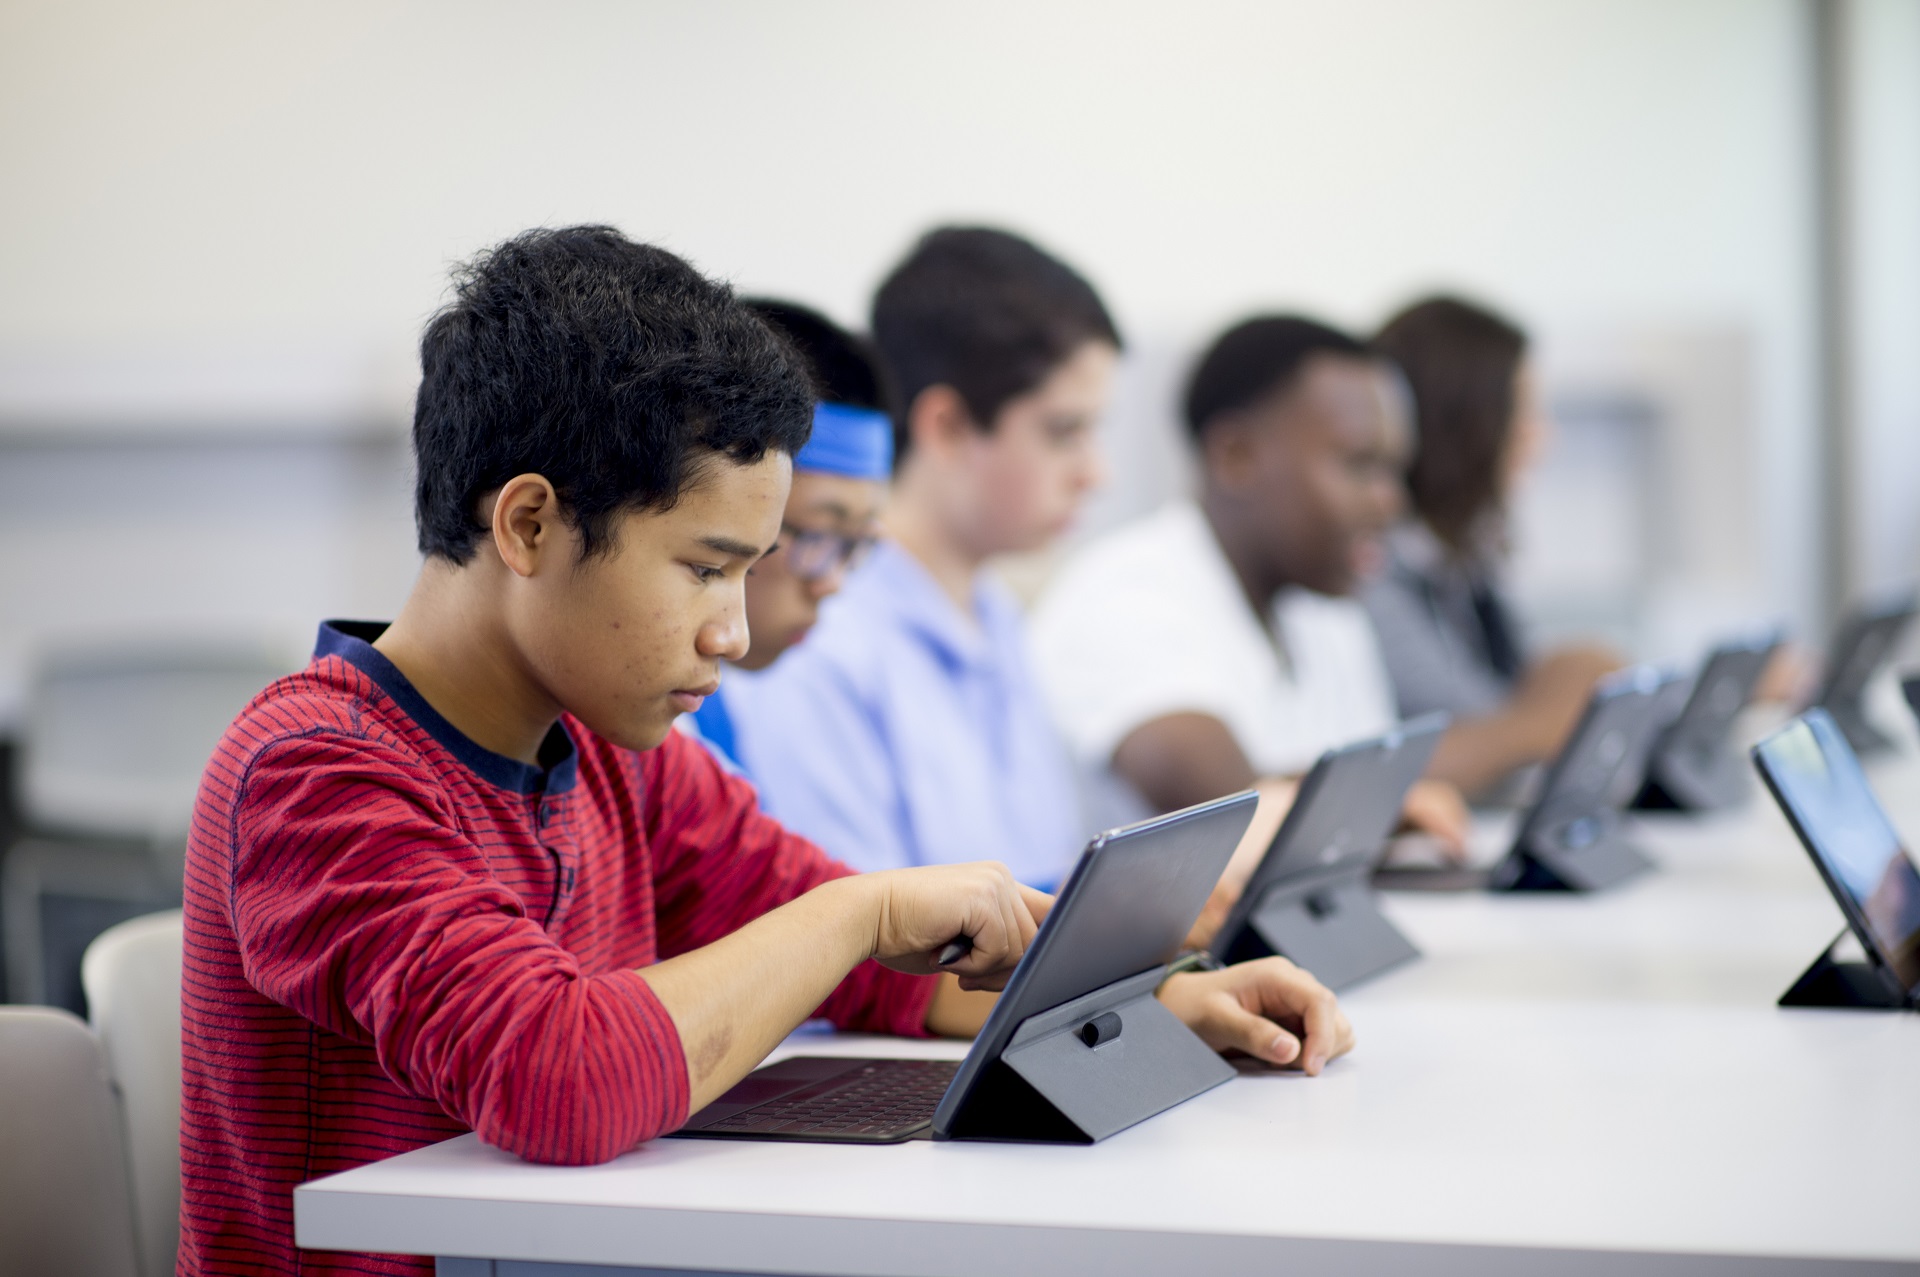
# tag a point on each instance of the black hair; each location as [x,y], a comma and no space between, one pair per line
[615,369]
[846,368]
[1256,358]
[1460,360]
[985,312]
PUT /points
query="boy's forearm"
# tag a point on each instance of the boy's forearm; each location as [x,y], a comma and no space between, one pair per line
[734,1000]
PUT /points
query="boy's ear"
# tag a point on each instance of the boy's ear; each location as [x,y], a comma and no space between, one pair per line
[938,420]
[527,524]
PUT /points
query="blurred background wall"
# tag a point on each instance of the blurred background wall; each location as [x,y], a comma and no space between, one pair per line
[225,223]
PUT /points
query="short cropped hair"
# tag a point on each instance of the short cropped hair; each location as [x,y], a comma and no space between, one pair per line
[1459,360]
[615,369]
[1257,358]
[985,312]
[846,369]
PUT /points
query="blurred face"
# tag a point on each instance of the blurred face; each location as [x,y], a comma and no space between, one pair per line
[828,516]
[1527,438]
[1018,486]
[1317,470]
[629,640]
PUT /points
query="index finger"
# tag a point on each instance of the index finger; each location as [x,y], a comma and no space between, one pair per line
[1039,903]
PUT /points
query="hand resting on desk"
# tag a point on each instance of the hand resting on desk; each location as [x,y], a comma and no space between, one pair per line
[1268,1009]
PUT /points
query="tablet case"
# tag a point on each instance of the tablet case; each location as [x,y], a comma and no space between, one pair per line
[1090,1068]
[1861,646]
[1575,837]
[1694,765]
[1331,926]
[1100,1061]
[1311,899]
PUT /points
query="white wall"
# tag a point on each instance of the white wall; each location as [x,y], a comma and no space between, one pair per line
[1883,47]
[187,180]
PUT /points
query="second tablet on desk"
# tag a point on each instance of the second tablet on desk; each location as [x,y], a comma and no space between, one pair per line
[1694,765]
[1574,837]
[1309,900]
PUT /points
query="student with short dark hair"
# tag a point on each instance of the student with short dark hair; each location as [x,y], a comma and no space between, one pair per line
[459,875]
[1450,640]
[907,729]
[1214,641]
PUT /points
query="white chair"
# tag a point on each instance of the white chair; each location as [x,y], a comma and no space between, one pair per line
[113,743]
[64,1204]
[132,978]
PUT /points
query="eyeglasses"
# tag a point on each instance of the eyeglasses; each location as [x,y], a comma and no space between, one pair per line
[813,556]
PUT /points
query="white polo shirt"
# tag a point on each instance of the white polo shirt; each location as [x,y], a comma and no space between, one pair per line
[1150,620]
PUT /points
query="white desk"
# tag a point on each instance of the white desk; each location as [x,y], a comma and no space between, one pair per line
[1580,1085]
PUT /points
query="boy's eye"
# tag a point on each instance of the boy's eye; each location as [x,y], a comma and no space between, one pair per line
[707,575]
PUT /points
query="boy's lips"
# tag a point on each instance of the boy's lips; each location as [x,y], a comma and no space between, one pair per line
[689,698]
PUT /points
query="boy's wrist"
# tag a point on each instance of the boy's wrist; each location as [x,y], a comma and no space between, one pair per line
[855,903]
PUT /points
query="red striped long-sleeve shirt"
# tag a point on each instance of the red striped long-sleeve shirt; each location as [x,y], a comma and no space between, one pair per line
[394,936]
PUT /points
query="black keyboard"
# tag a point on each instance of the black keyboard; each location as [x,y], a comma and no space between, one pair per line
[880,1102]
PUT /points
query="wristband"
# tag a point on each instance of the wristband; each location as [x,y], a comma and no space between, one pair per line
[1191,960]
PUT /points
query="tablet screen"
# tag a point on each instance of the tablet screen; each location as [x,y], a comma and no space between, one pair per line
[1819,781]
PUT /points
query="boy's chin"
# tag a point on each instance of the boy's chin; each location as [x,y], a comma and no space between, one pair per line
[641,736]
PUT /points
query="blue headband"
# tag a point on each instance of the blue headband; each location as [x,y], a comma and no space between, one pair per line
[856,442]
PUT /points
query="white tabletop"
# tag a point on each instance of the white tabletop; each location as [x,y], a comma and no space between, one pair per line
[1563,1083]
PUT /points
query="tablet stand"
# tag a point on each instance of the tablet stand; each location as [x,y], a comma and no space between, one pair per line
[1850,716]
[1332,927]
[1090,1067]
[1828,983]
[1544,864]
[1694,784]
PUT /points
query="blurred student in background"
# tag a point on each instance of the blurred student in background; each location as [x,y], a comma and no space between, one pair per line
[1213,642]
[833,509]
[907,729]
[1449,638]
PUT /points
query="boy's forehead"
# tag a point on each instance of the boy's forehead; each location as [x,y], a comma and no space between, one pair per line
[737,500]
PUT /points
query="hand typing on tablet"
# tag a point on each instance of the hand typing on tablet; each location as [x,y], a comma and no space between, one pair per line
[1269,1009]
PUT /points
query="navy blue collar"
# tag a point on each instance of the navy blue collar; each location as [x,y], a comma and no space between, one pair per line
[352,641]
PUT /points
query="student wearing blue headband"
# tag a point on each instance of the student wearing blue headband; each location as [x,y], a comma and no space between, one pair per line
[833,510]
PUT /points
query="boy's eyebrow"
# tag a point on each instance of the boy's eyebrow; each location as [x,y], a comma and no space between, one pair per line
[729,546]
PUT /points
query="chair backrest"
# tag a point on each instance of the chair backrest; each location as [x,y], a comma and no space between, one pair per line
[64,1204]
[132,977]
[115,738]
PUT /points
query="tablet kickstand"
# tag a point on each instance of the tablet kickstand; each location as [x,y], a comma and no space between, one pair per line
[1856,985]
[1089,1068]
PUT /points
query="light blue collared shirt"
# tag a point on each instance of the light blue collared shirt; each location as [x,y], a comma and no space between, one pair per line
[902,733]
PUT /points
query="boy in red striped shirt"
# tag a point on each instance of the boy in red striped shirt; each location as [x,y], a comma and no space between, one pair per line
[458,875]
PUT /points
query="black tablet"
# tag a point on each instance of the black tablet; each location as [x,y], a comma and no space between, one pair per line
[1124,911]
[1346,809]
[1121,917]
[1815,777]
[1862,645]
[1694,765]
[1574,836]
